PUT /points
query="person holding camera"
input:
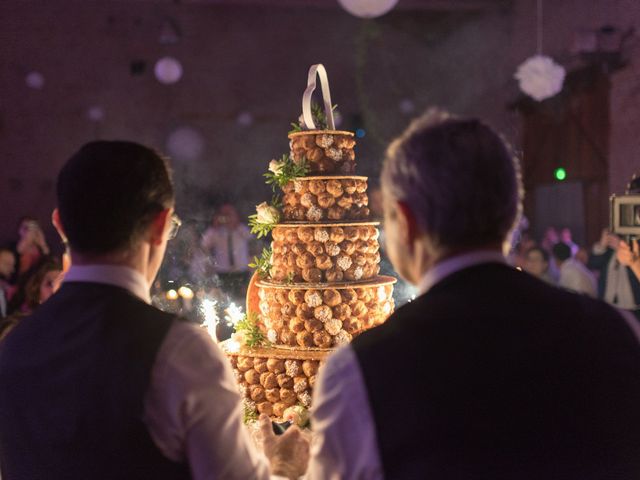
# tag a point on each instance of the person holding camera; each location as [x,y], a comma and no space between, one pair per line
[618,265]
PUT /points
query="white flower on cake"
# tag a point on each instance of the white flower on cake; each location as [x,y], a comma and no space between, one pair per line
[267,214]
[297,415]
[540,77]
[276,167]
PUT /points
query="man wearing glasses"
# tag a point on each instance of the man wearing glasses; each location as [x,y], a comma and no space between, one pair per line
[98,383]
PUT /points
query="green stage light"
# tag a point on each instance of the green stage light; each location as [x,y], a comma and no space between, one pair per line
[560,173]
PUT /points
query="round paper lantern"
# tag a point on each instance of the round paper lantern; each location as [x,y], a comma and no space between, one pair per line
[406,106]
[34,80]
[540,77]
[185,144]
[168,70]
[95,113]
[368,8]
[244,119]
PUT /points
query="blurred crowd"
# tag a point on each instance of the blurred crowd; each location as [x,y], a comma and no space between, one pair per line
[608,270]
[205,273]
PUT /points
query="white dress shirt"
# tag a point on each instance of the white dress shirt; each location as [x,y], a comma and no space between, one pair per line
[344,444]
[193,409]
[216,240]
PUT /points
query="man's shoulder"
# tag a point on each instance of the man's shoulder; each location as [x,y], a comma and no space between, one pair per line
[487,296]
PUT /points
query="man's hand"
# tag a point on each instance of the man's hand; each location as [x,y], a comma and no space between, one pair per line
[627,256]
[609,240]
[288,453]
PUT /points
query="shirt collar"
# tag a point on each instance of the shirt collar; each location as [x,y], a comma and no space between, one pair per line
[456,263]
[120,276]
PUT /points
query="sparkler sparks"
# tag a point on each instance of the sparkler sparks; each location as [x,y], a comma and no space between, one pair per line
[210,314]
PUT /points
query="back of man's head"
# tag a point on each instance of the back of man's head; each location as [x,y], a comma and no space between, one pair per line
[561,252]
[458,177]
[108,194]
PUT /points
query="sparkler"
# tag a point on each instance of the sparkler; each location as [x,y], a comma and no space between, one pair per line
[233,314]
[210,314]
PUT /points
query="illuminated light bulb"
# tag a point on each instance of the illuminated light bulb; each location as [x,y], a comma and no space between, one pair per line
[172,295]
[185,292]
[560,174]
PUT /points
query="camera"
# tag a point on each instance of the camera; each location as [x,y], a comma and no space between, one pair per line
[625,216]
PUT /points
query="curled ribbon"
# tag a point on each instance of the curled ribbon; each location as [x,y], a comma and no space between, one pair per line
[317,70]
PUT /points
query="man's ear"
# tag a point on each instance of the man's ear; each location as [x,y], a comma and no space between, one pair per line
[55,219]
[408,228]
[158,227]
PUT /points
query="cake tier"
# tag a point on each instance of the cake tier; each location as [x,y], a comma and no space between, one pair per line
[274,379]
[326,151]
[326,198]
[323,316]
[325,252]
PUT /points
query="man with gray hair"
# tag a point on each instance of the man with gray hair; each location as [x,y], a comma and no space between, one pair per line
[490,372]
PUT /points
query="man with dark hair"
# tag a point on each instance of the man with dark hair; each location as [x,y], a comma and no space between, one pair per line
[490,372]
[574,275]
[97,383]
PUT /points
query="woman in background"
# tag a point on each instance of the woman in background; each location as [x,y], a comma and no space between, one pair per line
[36,289]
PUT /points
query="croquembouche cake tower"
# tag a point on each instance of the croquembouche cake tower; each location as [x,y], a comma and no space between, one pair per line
[318,286]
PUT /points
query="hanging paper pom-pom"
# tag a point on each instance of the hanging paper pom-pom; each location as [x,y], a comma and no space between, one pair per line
[540,77]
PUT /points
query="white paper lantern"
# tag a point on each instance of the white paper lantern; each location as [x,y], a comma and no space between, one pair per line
[34,80]
[540,77]
[95,113]
[168,70]
[406,106]
[368,8]
[244,119]
[185,144]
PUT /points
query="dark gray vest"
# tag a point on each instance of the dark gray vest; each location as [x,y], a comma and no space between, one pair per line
[73,378]
[495,375]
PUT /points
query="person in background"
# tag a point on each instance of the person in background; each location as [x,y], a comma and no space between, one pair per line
[574,275]
[566,237]
[7,267]
[98,384]
[30,247]
[537,264]
[227,241]
[549,239]
[490,373]
[38,287]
